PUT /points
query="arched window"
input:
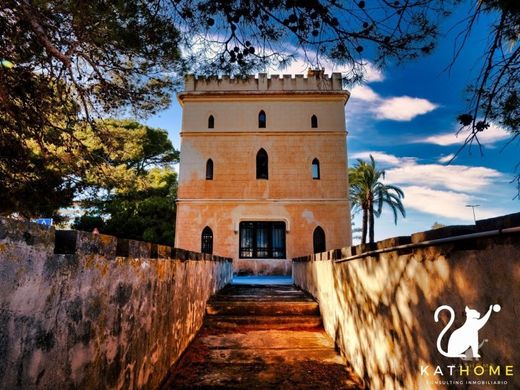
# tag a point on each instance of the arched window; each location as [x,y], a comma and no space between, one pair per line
[211,122]
[314,122]
[318,239]
[316,169]
[261,120]
[209,169]
[262,165]
[206,239]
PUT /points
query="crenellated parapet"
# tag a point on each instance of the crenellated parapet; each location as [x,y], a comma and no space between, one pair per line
[74,242]
[314,81]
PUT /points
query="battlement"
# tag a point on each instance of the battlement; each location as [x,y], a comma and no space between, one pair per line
[74,242]
[314,81]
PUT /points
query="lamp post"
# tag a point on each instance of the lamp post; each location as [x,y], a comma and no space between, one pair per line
[473,208]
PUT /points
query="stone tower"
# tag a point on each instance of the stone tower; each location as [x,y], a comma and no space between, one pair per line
[263,170]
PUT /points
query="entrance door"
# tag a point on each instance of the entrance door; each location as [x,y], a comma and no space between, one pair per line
[262,240]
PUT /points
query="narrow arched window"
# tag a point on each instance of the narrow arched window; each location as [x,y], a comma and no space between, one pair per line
[318,239]
[262,120]
[316,169]
[211,122]
[262,165]
[206,241]
[209,169]
[314,122]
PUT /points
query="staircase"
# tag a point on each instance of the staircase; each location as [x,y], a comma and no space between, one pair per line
[262,307]
[262,337]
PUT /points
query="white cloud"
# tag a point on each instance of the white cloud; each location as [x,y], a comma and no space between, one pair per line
[446,159]
[452,177]
[488,137]
[383,158]
[397,108]
[403,108]
[365,93]
[448,204]
[372,74]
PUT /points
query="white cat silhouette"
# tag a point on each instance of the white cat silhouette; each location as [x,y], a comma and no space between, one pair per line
[465,338]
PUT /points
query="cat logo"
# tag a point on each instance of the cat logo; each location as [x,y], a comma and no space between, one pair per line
[463,342]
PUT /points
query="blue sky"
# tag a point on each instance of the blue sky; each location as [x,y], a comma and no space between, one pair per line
[406,117]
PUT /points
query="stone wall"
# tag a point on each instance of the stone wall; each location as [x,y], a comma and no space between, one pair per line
[100,312]
[380,309]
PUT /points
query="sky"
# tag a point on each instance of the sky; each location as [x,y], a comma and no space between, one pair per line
[405,116]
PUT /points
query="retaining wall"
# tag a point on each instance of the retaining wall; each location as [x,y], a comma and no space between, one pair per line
[380,309]
[100,312]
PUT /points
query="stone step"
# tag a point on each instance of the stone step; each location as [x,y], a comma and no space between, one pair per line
[262,308]
[305,374]
[273,356]
[263,322]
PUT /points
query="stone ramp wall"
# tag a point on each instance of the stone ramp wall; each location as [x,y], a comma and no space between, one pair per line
[86,318]
[380,309]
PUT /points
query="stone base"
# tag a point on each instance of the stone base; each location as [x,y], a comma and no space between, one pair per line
[244,267]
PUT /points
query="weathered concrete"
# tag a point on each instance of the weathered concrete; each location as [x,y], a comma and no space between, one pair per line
[89,319]
[262,337]
[262,267]
[380,310]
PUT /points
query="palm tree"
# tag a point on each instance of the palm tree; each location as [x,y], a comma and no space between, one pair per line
[369,194]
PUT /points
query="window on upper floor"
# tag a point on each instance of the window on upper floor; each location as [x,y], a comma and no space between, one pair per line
[262,120]
[211,122]
[318,239]
[206,241]
[314,122]
[316,169]
[209,169]
[262,165]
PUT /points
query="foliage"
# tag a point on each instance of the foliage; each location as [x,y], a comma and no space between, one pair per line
[368,194]
[132,188]
[495,96]
[68,62]
[238,36]
[146,214]
[437,225]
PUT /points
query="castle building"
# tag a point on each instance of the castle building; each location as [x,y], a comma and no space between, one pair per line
[263,169]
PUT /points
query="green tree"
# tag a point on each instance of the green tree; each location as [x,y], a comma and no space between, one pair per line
[64,64]
[143,214]
[370,195]
[131,191]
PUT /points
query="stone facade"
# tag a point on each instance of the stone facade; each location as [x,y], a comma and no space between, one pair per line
[77,314]
[380,309]
[290,194]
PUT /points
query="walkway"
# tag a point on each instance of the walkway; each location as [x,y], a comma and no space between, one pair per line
[262,337]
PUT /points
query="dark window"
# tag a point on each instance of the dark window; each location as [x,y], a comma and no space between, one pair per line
[316,169]
[261,119]
[209,169]
[262,240]
[318,239]
[206,239]
[262,165]
[314,121]
[211,122]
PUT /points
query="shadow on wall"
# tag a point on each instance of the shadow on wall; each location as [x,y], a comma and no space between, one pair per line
[380,310]
[89,311]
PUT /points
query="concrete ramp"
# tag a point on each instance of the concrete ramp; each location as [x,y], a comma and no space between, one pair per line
[262,337]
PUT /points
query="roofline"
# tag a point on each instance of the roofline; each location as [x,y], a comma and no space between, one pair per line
[262,95]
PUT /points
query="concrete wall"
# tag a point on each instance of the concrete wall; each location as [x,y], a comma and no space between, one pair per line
[88,319]
[290,194]
[380,309]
